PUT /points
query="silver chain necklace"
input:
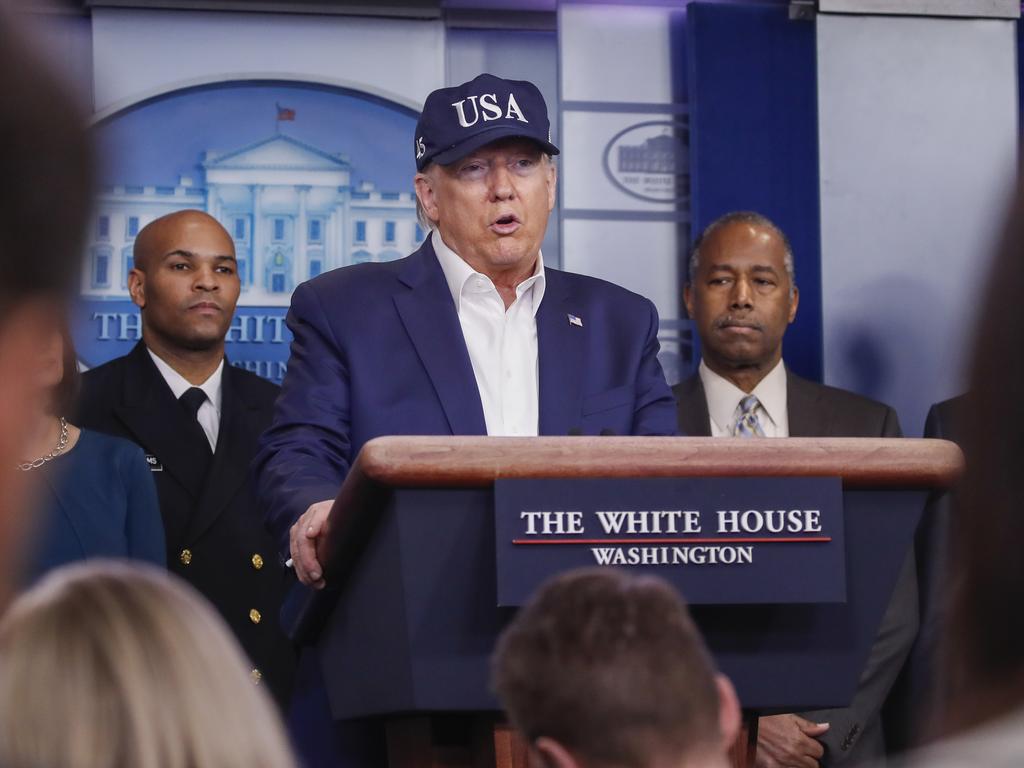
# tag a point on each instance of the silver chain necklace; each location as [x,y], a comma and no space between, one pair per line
[62,443]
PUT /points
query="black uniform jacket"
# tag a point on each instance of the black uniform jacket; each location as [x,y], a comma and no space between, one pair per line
[215,536]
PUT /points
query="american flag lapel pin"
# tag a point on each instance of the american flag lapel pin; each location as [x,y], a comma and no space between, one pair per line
[573,320]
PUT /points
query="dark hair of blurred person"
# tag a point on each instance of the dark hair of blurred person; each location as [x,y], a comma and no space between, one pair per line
[985,654]
[46,164]
[96,496]
[602,668]
[65,394]
[113,665]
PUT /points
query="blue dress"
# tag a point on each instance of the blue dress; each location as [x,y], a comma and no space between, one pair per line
[97,500]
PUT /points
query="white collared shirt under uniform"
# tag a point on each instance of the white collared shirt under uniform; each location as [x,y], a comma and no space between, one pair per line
[209,412]
[502,343]
[724,398]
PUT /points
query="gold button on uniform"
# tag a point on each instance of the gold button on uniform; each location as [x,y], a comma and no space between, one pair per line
[257,561]
[254,616]
[256,676]
[185,556]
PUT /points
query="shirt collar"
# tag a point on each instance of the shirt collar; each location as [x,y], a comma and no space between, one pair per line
[180,385]
[458,274]
[723,396]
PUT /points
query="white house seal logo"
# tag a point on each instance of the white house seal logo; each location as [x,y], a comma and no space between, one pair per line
[650,160]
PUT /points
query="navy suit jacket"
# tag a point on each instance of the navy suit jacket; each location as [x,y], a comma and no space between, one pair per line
[378,350]
[98,500]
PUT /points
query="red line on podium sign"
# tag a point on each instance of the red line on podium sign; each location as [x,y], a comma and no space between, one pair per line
[737,540]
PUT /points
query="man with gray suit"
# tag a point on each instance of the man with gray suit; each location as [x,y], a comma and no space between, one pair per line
[741,294]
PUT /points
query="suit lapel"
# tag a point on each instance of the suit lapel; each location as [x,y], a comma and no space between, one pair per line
[692,408]
[230,466]
[560,356]
[430,319]
[807,417]
[154,418]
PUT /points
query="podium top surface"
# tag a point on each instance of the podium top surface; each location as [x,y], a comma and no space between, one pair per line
[398,461]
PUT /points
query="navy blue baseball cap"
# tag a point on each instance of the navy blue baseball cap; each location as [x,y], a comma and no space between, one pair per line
[455,121]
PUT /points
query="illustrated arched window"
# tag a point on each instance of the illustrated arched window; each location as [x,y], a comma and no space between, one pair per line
[316,231]
[361,257]
[242,262]
[100,272]
[127,263]
[316,262]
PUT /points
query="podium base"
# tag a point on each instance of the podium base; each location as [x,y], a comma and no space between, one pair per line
[486,741]
[744,749]
[453,741]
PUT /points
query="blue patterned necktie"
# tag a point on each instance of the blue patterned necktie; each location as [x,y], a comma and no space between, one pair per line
[748,425]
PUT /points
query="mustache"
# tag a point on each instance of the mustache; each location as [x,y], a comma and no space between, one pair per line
[731,321]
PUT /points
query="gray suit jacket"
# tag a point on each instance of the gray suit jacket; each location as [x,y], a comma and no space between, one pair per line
[815,410]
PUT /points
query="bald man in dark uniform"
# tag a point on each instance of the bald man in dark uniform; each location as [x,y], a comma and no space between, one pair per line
[198,419]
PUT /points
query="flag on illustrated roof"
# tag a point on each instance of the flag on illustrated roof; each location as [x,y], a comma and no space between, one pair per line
[285,113]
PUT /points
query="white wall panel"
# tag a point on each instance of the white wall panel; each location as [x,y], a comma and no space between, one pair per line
[621,85]
[918,137]
[597,41]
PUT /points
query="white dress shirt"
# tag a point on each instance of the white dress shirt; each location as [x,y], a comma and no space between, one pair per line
[502,343]
[209,411]
[724,398]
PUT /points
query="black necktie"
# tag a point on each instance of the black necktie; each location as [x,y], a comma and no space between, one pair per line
[192,400]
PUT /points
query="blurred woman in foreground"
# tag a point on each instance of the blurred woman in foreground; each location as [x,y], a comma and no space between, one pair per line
[117,665]
[96,493]
[984,659]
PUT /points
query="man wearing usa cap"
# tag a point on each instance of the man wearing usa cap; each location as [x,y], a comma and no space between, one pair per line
[470,335]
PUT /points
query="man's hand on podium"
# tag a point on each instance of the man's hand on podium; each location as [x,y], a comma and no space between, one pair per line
[302,542]
[788,741]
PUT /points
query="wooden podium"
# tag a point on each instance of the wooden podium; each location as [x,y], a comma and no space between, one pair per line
[407,623]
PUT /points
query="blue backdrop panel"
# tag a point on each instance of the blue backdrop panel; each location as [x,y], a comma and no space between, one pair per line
[754,140]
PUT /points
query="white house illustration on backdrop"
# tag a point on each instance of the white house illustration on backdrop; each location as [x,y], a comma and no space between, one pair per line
[290,207]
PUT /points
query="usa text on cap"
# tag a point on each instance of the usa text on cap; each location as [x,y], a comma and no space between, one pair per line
[455,121]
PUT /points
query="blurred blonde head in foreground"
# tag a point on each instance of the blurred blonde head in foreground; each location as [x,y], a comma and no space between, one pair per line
[110,665]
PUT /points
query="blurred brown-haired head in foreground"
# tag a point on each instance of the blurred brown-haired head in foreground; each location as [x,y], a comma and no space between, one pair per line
[46,164]
[602,668]
[106,664]
[985,655]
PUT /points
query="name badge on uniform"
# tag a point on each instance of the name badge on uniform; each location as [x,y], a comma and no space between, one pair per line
[154,463]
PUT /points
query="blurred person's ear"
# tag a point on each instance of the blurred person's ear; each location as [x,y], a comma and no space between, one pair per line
[548,753]
[729,718]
